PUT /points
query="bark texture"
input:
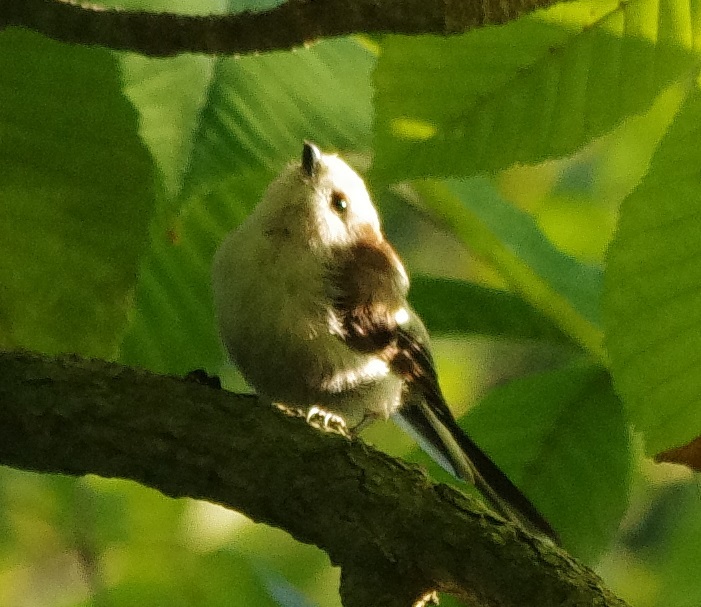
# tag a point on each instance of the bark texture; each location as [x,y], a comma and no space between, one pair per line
[395,533]
[292,24]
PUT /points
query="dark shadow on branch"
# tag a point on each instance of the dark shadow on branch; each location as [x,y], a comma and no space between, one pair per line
[292,24]
[394,532]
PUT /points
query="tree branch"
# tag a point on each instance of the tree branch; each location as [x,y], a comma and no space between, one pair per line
[376,517]
[293,23]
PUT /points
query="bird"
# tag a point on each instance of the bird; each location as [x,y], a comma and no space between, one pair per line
[311,304]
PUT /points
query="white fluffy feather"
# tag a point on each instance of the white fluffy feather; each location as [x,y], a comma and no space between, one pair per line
[272,302]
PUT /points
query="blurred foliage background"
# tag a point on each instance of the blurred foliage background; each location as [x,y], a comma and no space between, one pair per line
[541,181]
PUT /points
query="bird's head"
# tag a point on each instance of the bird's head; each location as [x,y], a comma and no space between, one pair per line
[322,201]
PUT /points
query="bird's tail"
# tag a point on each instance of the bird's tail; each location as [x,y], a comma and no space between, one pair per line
[448,444]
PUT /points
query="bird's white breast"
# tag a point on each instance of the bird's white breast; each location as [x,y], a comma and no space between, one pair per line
[282,334]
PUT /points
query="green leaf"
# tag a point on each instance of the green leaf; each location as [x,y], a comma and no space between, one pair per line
[536,88]
[653,290]
[77,193]
[178,577]
[678,533]
[160,548]
[563,289]
[454,306]
[260,108]
[562,437]
[183,7]
[172,329]
[169,95]
[257,113]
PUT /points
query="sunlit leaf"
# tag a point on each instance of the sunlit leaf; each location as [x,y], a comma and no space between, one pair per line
[168,94]
[653,290]
[563,289]
[536,88]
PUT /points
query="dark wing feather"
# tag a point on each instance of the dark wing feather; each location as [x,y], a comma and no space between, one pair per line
[414,362]
[367,292]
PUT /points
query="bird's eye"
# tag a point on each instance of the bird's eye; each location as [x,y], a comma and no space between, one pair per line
[339,202]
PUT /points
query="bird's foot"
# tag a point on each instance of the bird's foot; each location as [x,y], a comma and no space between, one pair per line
[200,376]
[290,411]
[427,600]
[330,422]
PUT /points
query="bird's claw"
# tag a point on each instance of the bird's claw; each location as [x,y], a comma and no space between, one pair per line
[325,420]
[427,600]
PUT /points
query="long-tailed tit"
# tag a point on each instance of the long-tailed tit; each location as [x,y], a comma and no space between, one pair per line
[312,307]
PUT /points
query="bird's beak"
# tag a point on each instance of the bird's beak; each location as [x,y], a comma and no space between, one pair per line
[311,159]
